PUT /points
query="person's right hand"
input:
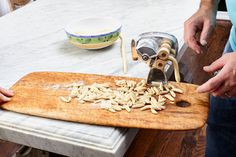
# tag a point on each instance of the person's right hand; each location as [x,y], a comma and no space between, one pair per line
[224,83]
[5,95]
[202,22]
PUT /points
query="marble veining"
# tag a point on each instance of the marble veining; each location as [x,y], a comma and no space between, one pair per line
[32,39]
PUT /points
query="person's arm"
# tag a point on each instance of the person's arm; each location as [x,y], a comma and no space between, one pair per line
[5,95]
[202,23]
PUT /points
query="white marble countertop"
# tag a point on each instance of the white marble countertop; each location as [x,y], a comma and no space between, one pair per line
[32,39]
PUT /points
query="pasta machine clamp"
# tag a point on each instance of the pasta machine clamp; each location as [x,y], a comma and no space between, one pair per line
[158,50]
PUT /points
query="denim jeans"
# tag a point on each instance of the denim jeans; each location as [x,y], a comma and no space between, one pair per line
[221,128]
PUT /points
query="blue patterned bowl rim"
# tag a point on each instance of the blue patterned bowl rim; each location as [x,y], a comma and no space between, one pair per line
[117,28]
[93,36]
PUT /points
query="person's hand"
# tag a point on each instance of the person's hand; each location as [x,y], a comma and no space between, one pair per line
[203,23]
[5,95]
[224,83]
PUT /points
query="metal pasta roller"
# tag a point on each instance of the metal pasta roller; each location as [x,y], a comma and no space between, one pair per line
[158,50]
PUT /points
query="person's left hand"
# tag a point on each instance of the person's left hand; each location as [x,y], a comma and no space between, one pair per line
[5,95]
[224,83]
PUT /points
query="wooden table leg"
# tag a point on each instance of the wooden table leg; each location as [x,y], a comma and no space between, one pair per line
[7,149]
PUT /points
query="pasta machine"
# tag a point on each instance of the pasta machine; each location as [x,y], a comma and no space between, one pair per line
[159,51]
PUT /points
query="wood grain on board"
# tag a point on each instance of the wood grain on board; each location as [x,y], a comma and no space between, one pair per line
[39,94]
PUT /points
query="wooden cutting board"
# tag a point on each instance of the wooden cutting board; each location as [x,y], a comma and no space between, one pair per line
[39,94]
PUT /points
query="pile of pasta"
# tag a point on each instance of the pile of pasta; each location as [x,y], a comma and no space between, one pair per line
[127,95]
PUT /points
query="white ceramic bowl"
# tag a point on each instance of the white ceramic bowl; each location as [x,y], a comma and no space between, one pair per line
[93,33]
